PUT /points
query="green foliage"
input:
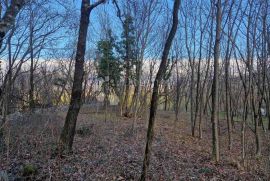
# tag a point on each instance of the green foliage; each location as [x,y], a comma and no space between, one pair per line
[29,170]
[107,63]
[127,46]
[113,57]
[206,170]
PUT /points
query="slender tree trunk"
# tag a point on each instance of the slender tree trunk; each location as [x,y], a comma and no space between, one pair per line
[227,104]
[137,89]
[166,97]
[178,92]
[7,84]
[191,61]
[205,95]
[192,100]
[154,100]
[31,76]
[267,101]
[199,91]
[243,130]
[127,86]
[137,94]
[256,124]
[127,73]
[200,120]
[214,114]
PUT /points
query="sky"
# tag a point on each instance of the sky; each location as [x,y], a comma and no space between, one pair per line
[67,34]
[68,31]
[94,29]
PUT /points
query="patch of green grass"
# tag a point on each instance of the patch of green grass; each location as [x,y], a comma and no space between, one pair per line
[206,170]
[222,115]
[265,121]
[29,170]
[237,118]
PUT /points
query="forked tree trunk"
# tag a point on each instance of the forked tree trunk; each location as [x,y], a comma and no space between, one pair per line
[204,84]
[199,90]
[154,100]
[67,134]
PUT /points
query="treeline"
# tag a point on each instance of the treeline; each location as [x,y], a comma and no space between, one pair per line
[208,58]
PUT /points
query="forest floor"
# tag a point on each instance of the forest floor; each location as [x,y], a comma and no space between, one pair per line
[111,150]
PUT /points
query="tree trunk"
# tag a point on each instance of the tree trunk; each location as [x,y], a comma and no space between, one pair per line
[199,91]
[127,87]
[154,100]
[215,137]
[178,91]
[31,76]
[8,20]
[166,97]
[227,100]
[127,73]
[68,131]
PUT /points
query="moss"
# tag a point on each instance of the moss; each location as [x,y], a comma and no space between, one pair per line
[29,170]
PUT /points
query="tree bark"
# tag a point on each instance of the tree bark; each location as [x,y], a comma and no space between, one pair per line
[9,17]
[227,97]
[68,131]
[215,137]
[178,92]
[31,78]
[154,100]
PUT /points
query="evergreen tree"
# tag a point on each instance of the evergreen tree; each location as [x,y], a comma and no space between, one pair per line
[127,51]
[108,66]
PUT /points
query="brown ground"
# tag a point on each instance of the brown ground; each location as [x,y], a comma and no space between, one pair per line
[111,151]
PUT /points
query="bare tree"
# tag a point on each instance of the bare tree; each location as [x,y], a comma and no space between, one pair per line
[154,100]
[68,131]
